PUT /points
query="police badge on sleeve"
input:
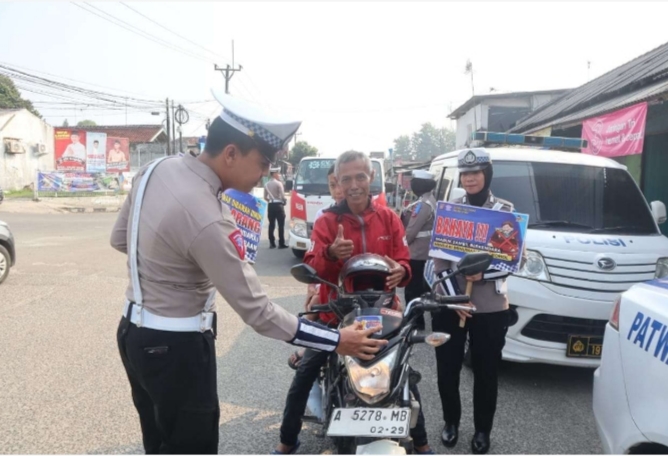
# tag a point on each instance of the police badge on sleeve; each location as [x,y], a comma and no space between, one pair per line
[238,241]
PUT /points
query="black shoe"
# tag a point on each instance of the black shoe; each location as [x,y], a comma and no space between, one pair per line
[480,443]
[283,246]
[450,435]
[272,246]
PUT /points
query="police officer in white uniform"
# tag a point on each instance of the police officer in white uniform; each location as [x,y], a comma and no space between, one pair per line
[418,220]
[182,246]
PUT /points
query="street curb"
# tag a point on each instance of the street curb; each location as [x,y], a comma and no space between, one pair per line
[80,210]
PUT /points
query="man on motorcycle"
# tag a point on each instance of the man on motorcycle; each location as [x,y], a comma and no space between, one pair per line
[353,227]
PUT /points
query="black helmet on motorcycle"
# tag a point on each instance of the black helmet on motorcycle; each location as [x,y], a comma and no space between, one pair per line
[365,276]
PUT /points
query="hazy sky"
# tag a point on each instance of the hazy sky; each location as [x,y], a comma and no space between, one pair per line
[358,74]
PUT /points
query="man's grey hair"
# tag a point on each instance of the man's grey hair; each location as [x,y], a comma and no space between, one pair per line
[351,156]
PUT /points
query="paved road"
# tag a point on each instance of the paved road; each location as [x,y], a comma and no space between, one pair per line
[63,388]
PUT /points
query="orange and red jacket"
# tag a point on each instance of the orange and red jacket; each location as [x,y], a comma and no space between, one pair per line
[377,230]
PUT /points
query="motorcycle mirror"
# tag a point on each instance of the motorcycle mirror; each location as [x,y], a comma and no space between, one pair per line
[474,263]
[305,274]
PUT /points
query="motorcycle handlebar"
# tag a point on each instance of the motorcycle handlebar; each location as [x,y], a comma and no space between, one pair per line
[320,308]
[460,299]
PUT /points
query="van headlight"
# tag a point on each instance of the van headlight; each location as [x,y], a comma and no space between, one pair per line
[661,268]
[298,226]
[372,384]
[535,267]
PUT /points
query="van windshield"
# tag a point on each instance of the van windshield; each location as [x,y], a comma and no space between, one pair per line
[311,178]
[566,197]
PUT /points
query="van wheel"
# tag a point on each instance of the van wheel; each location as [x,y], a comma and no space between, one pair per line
[298,253]
[5,263]
[467,353]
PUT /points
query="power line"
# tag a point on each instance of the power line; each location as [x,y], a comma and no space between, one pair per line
[173,32]
[127,26]
[8,64]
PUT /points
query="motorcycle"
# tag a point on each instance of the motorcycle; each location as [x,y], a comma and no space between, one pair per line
[367,407]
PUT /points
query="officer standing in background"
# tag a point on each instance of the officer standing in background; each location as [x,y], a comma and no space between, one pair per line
[182,246]
[418,220]
[486,329]
[274,194]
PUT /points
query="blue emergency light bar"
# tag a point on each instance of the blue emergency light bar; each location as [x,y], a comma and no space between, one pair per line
[527,140]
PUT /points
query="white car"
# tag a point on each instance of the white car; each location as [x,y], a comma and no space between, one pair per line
[631,385]
[592,235]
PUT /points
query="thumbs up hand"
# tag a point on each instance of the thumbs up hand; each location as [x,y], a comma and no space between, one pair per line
[342,248]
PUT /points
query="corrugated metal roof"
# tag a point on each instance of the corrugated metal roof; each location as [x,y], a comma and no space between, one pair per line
[614,104]
[641,72]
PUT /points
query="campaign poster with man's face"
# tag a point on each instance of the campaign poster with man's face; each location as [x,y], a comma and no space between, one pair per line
[70,150]
[96,153]
[118,155]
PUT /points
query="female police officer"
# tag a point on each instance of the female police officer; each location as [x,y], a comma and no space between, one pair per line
[486,329]
[182,246]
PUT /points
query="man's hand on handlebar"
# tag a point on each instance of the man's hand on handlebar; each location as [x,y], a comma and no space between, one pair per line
[355,341]
[474,278]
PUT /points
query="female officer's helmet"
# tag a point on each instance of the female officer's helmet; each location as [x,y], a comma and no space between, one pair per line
[473,160]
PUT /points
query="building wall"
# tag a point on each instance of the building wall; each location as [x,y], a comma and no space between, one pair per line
[465,124]
[18,170]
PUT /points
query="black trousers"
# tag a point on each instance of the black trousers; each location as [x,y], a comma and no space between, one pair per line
[276,214]
[173,381]
[487,334]
[295,404]
[417,286]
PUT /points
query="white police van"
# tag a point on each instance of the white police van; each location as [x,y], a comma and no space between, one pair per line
[631,385]
[591,236]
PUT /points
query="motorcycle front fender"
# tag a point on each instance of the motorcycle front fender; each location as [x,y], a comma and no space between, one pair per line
[381,447]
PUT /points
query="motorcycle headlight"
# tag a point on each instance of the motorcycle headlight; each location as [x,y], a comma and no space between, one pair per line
[535,267]
[662,268]
[298,226]
[372,384]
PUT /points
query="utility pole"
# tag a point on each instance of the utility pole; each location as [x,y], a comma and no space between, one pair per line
[469,70]
[228,71]
[169,131]
[173,130]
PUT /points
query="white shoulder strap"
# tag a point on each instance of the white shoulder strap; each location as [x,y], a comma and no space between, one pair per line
[134,231]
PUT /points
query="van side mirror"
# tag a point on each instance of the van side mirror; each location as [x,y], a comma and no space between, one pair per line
[456,193]
[659,212]
[288,185]
[474,263]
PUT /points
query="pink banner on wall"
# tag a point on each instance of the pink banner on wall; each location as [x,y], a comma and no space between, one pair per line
[616,134]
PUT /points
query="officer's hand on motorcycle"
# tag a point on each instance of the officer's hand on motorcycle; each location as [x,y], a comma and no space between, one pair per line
[355,341]
[397,274]
[474,278]
[342,248]
[463,314]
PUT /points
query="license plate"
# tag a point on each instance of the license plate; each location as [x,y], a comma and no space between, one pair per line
[301,245]
[584,346]
[370,422]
